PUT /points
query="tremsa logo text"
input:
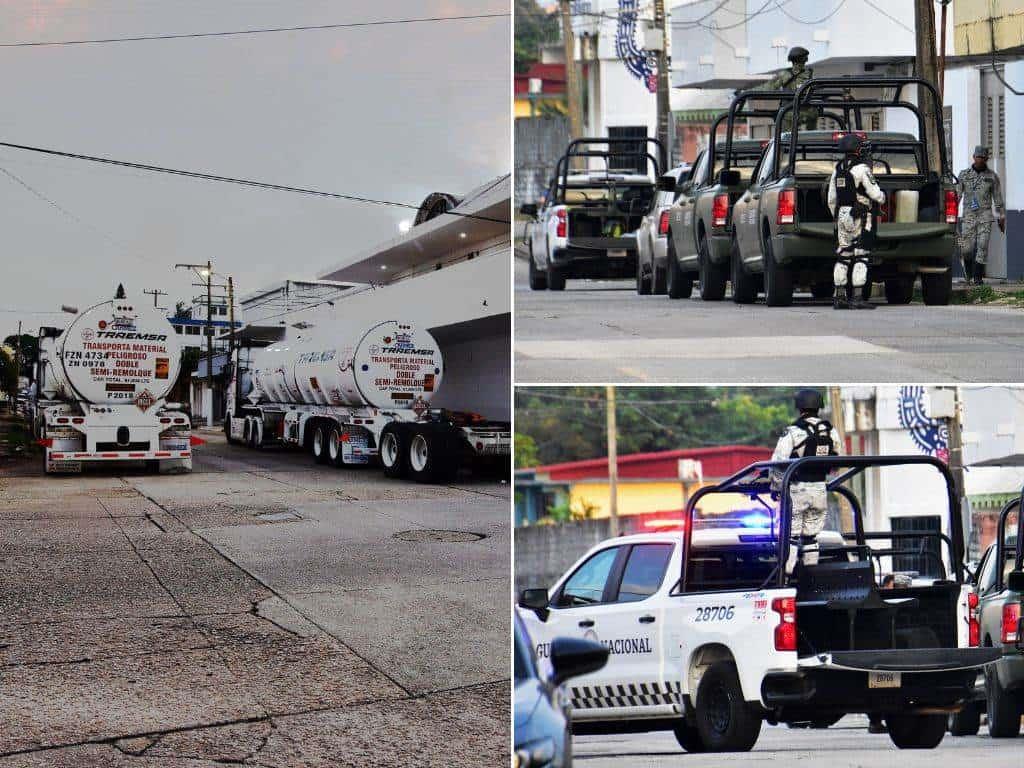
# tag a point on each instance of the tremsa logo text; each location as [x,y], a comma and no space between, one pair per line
[407,351]
[139,336]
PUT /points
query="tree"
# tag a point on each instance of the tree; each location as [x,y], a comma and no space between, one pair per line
[29,351]
[526,451]
[182,312]
[534,27]
[8,374]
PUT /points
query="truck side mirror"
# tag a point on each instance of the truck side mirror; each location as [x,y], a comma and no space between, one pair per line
[666,184]
[528,209]
[729,177]
[535,600]
[1015,581]
[573,656]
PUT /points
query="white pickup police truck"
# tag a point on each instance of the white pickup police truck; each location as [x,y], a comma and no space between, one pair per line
[709,638]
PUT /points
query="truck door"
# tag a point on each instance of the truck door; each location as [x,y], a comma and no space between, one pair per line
[683,229]
[746,210]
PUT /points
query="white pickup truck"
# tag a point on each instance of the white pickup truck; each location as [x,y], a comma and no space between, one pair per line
[714,649]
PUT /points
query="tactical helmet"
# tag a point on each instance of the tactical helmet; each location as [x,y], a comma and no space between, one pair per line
[851,144]
[809,400]
[798,53]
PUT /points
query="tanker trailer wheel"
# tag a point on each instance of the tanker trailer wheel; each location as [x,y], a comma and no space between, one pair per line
[334,454]
[320,444]
[394,451]
[429,458]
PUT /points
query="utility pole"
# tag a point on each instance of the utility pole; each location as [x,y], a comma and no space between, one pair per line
[156,292]
[209,339]
[573,93]
[955,445]
[17,362]
[665,132]
[942,48]
[835,401]
[927,68]
[613,463]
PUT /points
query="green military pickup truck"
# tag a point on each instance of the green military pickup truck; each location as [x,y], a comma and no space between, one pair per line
[1000,593]
[784,232]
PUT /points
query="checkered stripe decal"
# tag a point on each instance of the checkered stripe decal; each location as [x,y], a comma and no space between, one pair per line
[631,695]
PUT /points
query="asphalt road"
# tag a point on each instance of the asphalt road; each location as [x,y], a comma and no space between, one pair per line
[260,611]
[601,331]
[845,745]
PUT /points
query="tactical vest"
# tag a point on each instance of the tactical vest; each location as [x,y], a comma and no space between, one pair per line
[846,186]
[818,442]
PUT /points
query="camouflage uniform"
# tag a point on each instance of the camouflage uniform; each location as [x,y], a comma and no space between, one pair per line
[979,190]
[790,80]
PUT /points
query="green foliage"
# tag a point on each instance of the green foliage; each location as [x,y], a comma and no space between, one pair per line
[568,423]
[29,351]
[533,27]
[526,451]
[565,512]
[8,373]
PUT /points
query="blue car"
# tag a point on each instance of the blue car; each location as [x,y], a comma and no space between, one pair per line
[541,733]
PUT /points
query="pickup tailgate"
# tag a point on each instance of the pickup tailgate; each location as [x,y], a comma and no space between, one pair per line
[890,232]
[906,660]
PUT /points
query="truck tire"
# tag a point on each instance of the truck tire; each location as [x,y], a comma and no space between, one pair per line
[429,459]
[555,279]
[744,284]
[538,280]
[689,737]
[966,722]
[334,448]
[937,289]
[320,443]
[679,284]
[660,281]
[1002,708]
[916,731]
[778,281]
[643,285]
[713,277]
[725,721]
[899,290]
[393,451]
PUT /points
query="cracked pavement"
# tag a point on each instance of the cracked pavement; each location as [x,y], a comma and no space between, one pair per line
[260,611]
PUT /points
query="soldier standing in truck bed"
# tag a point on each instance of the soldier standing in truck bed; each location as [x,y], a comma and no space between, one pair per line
[790,80]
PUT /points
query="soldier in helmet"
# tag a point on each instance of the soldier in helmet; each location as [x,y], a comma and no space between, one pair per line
[809,435]
[790,80]
[980,189]
[852,192]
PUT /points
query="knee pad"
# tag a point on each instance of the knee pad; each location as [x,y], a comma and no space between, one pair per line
[860,273]
[839,273]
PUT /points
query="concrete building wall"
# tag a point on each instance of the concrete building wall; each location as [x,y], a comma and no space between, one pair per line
[973,32]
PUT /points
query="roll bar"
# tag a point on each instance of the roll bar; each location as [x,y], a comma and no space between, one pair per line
[755,478]
[573,150]
[1018,560]
[815,93]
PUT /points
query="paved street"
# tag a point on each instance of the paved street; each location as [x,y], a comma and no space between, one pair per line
[601,331]
[845,745]
[260,611]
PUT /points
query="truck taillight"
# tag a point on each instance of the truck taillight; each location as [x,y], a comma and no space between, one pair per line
[78,420]
[973,625]
[165,421]
[562,228]
[951,206]
[1011,622]
[46,442]
[663,223]
[194,441]
[719,210]
[837,135]
[785,632]
[787,207]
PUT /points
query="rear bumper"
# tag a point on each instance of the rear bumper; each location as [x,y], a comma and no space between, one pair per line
[903,254]
[595,262]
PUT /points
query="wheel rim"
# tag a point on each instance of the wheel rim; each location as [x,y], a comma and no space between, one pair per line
[318,442]
[334,445]
[718,709]
[419,453]
[389,449]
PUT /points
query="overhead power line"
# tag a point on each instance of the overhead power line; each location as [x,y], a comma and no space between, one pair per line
[233,180]
[257,31]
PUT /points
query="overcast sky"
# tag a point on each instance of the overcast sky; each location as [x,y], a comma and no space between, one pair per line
[391,112]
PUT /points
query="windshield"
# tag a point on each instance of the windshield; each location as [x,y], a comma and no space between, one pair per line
[817,160]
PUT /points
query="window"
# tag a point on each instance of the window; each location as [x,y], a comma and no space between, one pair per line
[716,568]
[178,329]
[644,571]
[587,584]
[191,330]
[765,171]
[987,573]
[700,170]
[745,164]
[920,554]
[887,159]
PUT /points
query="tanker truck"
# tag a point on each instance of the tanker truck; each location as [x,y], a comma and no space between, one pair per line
[354,396]
[101,387]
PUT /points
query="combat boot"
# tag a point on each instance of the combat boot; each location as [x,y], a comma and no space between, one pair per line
[840,301]
[979,274]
